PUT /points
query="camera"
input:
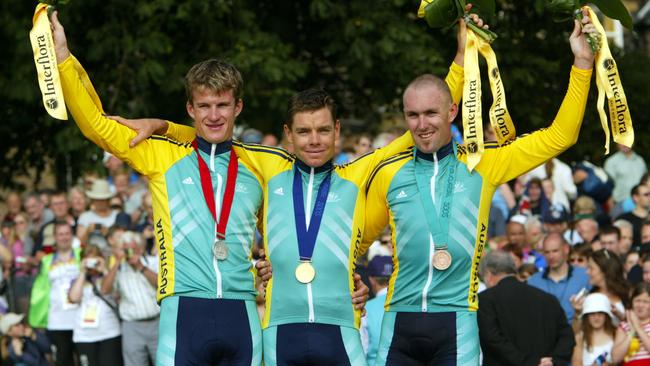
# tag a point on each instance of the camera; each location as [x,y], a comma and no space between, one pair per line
[91,263]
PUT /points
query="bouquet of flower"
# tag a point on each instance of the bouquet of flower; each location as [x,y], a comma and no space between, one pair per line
[563,10]
[445,13]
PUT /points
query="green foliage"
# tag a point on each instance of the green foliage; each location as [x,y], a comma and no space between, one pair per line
[137,52]
[563,10]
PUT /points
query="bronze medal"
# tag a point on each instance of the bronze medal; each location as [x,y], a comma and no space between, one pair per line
[441,259]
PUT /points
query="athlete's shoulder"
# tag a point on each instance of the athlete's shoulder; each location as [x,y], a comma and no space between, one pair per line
[263,149]
[170,141]
[387,163]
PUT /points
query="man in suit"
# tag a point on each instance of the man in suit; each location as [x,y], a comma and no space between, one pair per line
[519,325]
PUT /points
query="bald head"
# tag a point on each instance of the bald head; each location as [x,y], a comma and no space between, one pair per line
[429,81]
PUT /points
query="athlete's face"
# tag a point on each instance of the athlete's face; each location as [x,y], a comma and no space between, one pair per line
[429,113]
[313,135]
[214,113]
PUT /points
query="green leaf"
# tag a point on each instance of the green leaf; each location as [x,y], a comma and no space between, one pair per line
[441,13]
[615,10]
[483,7]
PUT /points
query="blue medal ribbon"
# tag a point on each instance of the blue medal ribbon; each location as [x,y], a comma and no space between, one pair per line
[307,235]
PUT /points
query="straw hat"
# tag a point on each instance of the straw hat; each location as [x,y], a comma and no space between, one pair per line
[100,190]
[9,320]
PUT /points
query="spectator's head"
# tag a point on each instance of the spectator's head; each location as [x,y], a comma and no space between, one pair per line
[270,139]
[641,196]
[495,266]
[132,243]
[8,231]
[534,232]
[584,206]
[147,204]
[609,239]
[525,271]
[641,301]
[312,126]
[645,232]
[214,90]
[114,237]
[556,251]
[78,203]
[21,220]
[34,207]
[59,205]
[11,324]
[63,236]
[534,190]
[556,219]
[587,228]
[516,230]
[112,163]
[251,136]
[429,111]
[605,272]
[45,194]
[632,259]
[116,203]
[14,203]
[645,266]
[100,195]
[91,251]
[548,187]
[579,255]
[515,252]
[627,235]
[362,144]
[596,315]
[380,269]
[121,182]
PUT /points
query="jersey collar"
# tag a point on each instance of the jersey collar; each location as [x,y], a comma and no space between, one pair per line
[206,146]
[442,152]
[307,169]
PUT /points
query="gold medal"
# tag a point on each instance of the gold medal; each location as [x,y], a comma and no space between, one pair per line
[441,259]
[305,272]
[220,250]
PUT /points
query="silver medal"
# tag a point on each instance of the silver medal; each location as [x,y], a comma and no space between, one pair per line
[220,249]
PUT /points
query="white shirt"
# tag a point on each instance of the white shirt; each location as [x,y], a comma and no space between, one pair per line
[61,313]
[137,296]
[89,218]
[96,321]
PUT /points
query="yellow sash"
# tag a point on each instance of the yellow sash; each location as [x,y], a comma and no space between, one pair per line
[472,120]
[609,84]
[47,68]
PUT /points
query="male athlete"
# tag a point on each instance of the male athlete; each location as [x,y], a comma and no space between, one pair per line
[438,212]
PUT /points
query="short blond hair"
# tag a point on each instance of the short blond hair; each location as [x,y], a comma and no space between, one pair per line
[216,75]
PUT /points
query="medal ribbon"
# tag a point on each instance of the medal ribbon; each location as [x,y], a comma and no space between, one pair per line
[47,68]
[438,222]
[307,235]
[208,190]
[608,82]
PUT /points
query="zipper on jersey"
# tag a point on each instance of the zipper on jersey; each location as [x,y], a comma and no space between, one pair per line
[217,201]
[310,298]
[432,246]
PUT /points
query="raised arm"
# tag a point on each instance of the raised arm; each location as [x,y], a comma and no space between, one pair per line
[104,132]
[501,164]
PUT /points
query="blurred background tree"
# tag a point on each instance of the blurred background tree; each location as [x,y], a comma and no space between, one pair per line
[137,52]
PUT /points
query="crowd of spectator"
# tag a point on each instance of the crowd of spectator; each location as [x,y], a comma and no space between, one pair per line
[79,267]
